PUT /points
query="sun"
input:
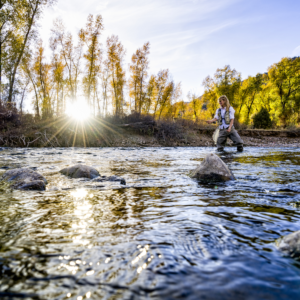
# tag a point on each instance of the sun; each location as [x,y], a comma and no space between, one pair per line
[78,110]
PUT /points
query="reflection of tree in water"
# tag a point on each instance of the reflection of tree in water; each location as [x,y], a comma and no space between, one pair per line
[271,159]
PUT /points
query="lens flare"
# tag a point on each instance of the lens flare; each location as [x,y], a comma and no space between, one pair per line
[78,110]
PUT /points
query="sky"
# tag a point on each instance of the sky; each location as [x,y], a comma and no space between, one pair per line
[192,38]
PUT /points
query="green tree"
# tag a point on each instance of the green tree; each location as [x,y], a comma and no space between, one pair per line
[227,82]
[285,78]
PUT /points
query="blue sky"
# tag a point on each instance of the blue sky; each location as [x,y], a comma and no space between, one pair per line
[192,38]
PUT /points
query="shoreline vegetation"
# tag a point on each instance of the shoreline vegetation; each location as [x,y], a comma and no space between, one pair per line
[134,130]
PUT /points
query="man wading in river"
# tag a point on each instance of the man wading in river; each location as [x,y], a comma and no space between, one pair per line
[225,117]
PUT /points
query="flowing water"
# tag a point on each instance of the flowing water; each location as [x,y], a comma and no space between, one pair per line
[161,236]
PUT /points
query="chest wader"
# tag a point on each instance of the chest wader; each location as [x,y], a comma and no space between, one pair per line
[227,122]
[233,135]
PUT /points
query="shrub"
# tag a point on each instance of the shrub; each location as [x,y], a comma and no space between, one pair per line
[169,130]
[262,119]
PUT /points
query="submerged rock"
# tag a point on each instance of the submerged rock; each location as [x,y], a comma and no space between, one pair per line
[25,179]
[212,169]
[290,244]
[111,178]
[80,171]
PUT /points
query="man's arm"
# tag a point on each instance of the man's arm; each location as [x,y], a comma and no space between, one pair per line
[211,121]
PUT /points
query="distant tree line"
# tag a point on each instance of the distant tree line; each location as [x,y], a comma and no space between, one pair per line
[82,67]
[277,92]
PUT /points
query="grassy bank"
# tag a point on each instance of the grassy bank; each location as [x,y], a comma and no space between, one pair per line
[130,131]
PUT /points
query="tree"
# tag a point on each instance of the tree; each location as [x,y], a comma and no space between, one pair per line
[90,36]
[227,82]
[58,68]
[115,56]
[251,87]
[262,119]
[150,95]
[42,71]
[138,68]
[61,44]
[29,71]
[285,78]
[210,96]
[29,12]
[195,105]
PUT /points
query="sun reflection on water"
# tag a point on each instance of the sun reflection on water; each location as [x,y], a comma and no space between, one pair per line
[83,211]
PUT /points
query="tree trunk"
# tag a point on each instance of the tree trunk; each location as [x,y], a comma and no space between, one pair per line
[12,81]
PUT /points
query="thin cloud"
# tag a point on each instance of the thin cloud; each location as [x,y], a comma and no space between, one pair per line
[296,51]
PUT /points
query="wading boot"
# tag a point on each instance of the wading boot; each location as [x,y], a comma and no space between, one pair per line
[240,148]
[220,149]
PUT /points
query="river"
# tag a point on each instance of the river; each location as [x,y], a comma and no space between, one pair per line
[161,236]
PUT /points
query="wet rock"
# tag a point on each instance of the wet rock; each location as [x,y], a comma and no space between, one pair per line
[212,169]
[290,244]
[80,171]
[110,178]
[25,179]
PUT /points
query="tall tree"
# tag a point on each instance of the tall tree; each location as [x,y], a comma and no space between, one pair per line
[115,56]
[29,12]
[91,37]
[227,82]
[285,77]
[58,80]
[43,74]
[150,95]
[62,42]
[137,83]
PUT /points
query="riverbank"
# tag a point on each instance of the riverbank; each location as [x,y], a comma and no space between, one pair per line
[140,131]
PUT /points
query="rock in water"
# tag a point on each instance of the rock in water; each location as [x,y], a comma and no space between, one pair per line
[25,179]
[290,244]
[80,171]
[212,169]
[111,178]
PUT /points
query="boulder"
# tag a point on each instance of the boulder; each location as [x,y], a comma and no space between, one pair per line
[80,171]
[212,169]
[25,179]
[110,178]
[290,244]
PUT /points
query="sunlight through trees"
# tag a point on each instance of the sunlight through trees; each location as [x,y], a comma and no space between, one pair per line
[83,68]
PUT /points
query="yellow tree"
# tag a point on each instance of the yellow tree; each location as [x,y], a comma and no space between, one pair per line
[28,68]
[161,83]
[250,89]
[210,96]
[91,37]
[115,56]
[285,78]
[42,71]
[61,43]
[138,68]
[27,14]
[105,75]
[227,82]
[195,105]
[58,68]
[150,95]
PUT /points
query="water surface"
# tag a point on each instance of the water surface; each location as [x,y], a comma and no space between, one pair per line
[162,236]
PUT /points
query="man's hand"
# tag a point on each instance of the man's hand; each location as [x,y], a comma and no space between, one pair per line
[229,129]
[211,121]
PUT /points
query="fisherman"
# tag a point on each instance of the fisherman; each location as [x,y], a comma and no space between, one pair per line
[225,117]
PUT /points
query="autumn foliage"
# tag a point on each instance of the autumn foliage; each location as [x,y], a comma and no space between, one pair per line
[86,67]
